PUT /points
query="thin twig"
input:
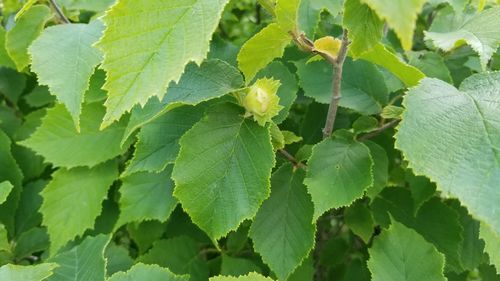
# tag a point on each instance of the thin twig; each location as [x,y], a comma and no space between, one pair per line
[337,85]
[379,130]
[59,11]
[293,160]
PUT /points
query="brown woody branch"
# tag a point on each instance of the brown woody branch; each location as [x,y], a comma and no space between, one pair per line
[337,62]
[337,85]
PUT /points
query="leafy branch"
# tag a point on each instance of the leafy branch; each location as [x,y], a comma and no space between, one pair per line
[337,62]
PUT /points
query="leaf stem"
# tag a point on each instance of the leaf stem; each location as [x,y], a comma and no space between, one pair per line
[59,11]
[338,65]
[379,130]
[293,160]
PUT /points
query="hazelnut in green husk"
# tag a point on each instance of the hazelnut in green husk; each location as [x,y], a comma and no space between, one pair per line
[262,101]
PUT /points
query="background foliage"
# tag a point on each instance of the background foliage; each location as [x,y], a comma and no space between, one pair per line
[250,140]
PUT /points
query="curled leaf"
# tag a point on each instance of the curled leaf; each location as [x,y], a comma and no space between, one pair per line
[328,45]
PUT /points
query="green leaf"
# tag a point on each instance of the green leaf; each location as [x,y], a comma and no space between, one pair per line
[380,169]
[72,201]
[252,276]
[171,34]
[38,272]
[10,122]
[408,74]
[27,5]
[432,64]
[39,97]
[210,80]
[472,249]
[422,189]
[237,266]
[87,5]
[30,242]
[158,141]
[9,172]
[304,272]
[268,5]
[365,124]
[481,32]
[363,87]
[262,49]
[360,220]
[4,240]
[147,272]
[63,59]
[118,258]
[339,171]
[458,124]
[26,29]
[283,231]
[435,221]
[94,92]
[5,189]
[400,254]
[223,169]
[146,196]
[401,16]
[5,59]
[27,215]
[12,84]
[84,262]
[180,254]
[365,28]
[458,5]
[145,233]
[488,273]
[492,244]
[60,144]
[309,13]
[286,14]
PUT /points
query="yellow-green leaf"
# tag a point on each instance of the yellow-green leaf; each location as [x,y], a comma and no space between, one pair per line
[147,44]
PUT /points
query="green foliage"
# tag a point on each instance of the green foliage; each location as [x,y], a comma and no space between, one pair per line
[481,32]
[39,272]
[67,76]
[147,272]
[400,16]
[252,140]
[403,255]
[5,189]
[82,262]
[154,51]
[289,212]
[339,172]
[452,114]
[26,29]
[58,141]
[223,169]
[262,49]
[146,196]
[72,201]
